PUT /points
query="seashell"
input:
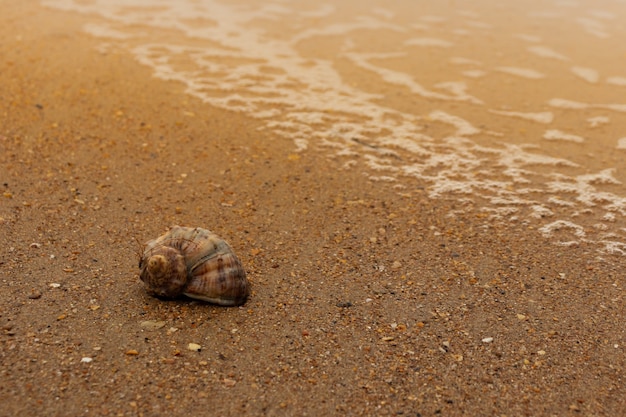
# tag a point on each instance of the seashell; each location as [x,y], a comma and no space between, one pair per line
[196,263]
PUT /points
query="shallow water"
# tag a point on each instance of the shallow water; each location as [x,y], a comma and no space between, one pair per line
[514,109]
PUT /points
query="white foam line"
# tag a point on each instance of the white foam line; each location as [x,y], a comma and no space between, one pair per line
[318,79]
[609,217]
[379,164]
[241,66]
[543,117]
[587,74]
[557,201]
[456,88]
[598,120]
[545,52]
[567,104]
[364,22]
[549,229]
[517,156]
[301,144]
[615,107]
[522,72]
[593,27]
[463,127]
[555,134]
[386,13]
[382,178]
[323,11]
[539,212]
[613,247]
[404,79]
[570,104]
[457,60]
[585,190]
[428,42]
[620,81]
[474,73]
[509,201]
[104,31]
[498,213]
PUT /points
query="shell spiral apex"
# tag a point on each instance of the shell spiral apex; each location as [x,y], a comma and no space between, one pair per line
[196,263]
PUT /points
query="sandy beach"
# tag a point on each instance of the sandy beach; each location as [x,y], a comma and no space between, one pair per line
[367,299]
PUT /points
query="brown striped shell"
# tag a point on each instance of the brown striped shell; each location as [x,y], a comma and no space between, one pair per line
[196,263]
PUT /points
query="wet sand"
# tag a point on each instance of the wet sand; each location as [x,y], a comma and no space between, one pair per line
[366,300]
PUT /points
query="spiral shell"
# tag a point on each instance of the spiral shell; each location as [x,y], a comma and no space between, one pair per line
[196,263]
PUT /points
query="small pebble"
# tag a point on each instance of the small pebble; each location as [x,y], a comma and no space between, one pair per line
[229,382]
[344,304]
[194,346]
[35,245]
[35,295]
[152,325]
[86,359]
[488,340]
[55,285]
[132,352]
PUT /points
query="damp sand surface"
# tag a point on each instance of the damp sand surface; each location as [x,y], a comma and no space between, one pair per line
[367,299]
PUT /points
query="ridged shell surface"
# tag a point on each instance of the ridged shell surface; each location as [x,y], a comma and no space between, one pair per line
[196,263]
